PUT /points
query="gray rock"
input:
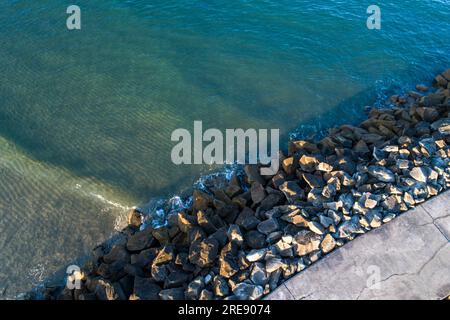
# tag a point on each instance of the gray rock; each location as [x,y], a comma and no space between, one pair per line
[203,253]
[194,288]
[220,286]
[172,294]
[350,227]
[268,226]
[328,244]
[420,173]
[145,289]
[316,227]
[259,275]
[255,239]
[235,235]
[245,291]
[273,264]
[256,255]
[381,173]
[306,242]
[442,126]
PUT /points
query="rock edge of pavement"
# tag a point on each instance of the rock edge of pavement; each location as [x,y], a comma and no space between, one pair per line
[245,237]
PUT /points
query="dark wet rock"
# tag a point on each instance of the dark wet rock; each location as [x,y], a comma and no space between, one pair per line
[159,272]
[316,227]
[221,236]
[186,222]
[194,288]
[176,279]
[420,173]
[256,255]
[245,291]
[381,173]
[165,255]
[140,240]
[308,163]
[255,239]
[313,180]
[273,264]
[247,219]
[295,217]
[258,193]
[104,290]
[206,295]
[270,201]
[228,261]
[172,294]
[253,174]
[145,289]
[201,200]
[268,226]
[259,275]
[203,253]
[328,244]
[350,227]
[220,286]
[292,191]
[442,126]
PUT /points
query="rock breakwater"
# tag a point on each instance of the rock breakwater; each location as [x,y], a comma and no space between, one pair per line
[241,241]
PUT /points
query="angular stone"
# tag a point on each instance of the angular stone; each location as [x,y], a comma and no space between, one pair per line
[194,288]
[259,275]
[247,219]
[382,174]
[228,262]
[205,222]
[314,181]
[328,244]
[292,191]
[220,286]
[308,163]
[255,239]
[165,255]
[268,226]
[316,227]
[201,200]
[273,264]
[235,235]
[257,192]
[256,255]
[420,173]
[134,218]
[306,242]
[145,289]
[172,294]
[140,240]
[186,222]
[295,218]
[203,253]
[245,291]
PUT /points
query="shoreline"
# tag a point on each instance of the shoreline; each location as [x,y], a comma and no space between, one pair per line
[243,240]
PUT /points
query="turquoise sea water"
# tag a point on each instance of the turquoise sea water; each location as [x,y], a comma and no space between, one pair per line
[86,116]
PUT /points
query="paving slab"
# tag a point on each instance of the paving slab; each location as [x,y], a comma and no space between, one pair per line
[406,259]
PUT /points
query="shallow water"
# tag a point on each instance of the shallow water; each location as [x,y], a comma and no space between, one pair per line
[86,116]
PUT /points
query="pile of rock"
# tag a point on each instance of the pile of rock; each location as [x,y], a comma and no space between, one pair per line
[244,240]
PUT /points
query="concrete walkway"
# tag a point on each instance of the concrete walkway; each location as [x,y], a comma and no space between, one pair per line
[408,258]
